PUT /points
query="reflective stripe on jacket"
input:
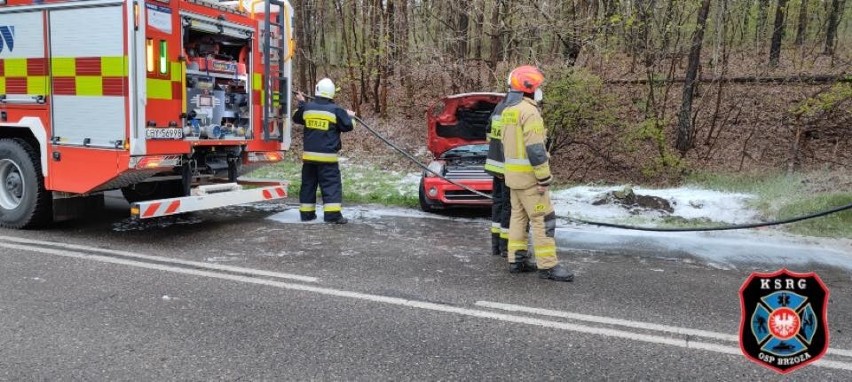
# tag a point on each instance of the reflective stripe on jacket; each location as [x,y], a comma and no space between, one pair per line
[527,162]
[495,164]
[324,121]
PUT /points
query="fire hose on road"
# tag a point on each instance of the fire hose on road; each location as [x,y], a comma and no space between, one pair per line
[602,224]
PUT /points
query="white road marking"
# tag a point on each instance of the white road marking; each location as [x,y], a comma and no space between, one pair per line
[217,267]
[660,340]
[628,323]
[609,321]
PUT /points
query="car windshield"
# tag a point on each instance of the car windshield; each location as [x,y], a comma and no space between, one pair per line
[467,151]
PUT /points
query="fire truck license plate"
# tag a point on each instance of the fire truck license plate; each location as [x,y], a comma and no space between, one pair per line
[164,133]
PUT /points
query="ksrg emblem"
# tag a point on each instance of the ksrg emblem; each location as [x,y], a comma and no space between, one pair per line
[784,324]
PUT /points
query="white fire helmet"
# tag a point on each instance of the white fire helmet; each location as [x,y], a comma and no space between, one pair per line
[325,88]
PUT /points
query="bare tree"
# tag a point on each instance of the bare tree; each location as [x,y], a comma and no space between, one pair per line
[802,27]
[836,11]
[685,127]
[777,33]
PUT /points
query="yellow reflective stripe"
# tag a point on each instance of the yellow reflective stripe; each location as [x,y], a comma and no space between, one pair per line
[63,67]
[536,127]
[113,66]
[89,86]
[519,141]
[183,86]
[495,169]
[518,165]
[157,89]
[495,230]
[256,81]
[37,85]
[494,162]
[319,157]
[494,166]
[15,67]
[176,71]
[549,250]
[307,208]
[505,235]
[517,245]
[332,207]
[2,85]
[542,171]
[321,115]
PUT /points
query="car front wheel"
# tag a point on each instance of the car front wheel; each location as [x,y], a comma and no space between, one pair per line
[425,204]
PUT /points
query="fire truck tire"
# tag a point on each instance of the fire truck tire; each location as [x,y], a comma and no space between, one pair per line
[24,202]
[152,190]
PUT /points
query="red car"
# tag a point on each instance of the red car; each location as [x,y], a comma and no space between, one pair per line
[456,137]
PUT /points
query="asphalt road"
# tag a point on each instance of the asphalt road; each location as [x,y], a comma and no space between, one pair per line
[229,294]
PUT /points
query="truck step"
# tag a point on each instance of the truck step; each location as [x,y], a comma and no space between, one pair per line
[209,197]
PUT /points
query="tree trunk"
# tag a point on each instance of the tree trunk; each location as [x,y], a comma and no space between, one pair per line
[802,27]
[685,128]
[833,22]
[496,34]
[348,48]
[777,33]
[462,33]
[762,16]
[302,38]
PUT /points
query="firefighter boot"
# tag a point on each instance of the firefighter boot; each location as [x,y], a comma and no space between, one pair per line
[495,244]
[523,263]
[557,273]
[340,220]
[308,216]
[504,247]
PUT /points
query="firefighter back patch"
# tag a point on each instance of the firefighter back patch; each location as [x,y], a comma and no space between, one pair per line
[784,323]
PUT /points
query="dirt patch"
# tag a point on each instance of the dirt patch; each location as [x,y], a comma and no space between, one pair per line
[635,203]
[827,181]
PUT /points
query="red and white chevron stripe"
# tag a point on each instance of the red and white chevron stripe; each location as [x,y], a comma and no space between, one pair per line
[206,201]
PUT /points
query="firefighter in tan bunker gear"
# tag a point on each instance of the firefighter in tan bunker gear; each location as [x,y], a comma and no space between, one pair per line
[527,174]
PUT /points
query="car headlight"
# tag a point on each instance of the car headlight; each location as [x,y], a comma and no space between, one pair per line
[437,167]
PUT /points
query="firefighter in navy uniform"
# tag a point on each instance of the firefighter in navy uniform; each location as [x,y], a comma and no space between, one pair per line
[324,121]
[501,207]
[527,173]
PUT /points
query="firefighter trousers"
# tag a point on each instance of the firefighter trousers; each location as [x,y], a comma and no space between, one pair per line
[533,208]
[327,177]
[501,210]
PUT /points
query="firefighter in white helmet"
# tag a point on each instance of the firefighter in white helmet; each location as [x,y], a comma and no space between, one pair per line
[324,121]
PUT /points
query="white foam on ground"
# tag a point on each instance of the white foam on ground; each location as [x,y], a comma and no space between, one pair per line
[720,250]
[688,203]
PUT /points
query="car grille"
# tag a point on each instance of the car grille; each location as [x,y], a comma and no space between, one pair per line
[463,195]
[467,173]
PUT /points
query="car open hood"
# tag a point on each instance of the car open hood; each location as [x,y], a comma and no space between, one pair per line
[460,119]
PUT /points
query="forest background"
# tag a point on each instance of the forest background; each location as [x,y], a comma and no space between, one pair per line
[637,91]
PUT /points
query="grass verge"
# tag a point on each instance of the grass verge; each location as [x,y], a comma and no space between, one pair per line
[782,196]
[362,184]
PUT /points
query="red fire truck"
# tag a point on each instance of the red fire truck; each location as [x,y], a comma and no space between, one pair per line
[169,101]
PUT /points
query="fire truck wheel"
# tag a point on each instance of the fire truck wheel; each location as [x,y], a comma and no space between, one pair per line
[142,192]
[24,202]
